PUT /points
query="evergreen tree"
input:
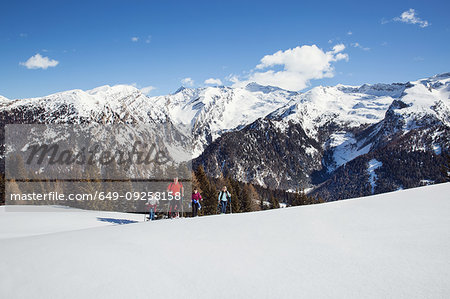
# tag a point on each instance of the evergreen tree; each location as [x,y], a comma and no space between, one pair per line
[319,200]
[184,171]
[210,204]
[194,181]
[446,168]
[111,172]
[91,186]
[233,188]
[254,198]
[262,206]
[274,204]
[246,200]
[76,187]
[208,192]
[202,180]
[37,186]
[2,188]
[13,188]
[16,168]
[304,199]
[251,198]
[298,200]
[123,188]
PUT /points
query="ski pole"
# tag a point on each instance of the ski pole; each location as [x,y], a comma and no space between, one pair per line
[182,210]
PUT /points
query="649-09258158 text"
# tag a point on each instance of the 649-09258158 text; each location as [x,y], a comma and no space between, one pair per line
[102,196]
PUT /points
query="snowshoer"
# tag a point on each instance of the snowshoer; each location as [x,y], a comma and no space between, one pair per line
[177,191]
[196,197]
[224,196]
[152,204]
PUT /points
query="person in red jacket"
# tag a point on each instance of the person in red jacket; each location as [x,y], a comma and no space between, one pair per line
[177,191]
[196,197]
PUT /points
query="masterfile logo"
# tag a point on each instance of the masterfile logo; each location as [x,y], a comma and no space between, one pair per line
[95,166]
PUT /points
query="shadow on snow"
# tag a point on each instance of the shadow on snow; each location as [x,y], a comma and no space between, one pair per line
[116,221]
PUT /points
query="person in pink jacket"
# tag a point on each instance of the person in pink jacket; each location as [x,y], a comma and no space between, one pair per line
[196,197]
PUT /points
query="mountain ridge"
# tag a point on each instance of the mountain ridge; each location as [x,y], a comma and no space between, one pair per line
[411,120]
[278,138]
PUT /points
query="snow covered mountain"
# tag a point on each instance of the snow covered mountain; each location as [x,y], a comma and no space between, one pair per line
[274,137]
[339,105]
[105,104]
[203,113]
[209,112]
[329,128]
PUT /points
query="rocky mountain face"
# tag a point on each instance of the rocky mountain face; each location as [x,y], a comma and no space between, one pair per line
[327,139]
[209,112]
[336,142]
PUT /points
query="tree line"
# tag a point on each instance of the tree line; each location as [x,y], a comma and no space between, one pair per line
[245,197]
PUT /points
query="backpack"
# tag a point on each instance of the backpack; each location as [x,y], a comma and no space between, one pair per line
[228,196]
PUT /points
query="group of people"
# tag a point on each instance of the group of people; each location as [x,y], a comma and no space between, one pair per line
[176,188]
[224,197]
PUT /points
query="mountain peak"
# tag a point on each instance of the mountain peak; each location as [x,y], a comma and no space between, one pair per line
[441,76]
[255,87]
[180,89]
[183,89]
[107,90]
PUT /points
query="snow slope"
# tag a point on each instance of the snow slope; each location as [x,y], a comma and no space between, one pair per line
[100,104]
[394,245]
[425,98]
[19,221]
[347,106]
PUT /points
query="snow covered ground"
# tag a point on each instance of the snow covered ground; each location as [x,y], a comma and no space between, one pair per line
[394,245]
[16,221]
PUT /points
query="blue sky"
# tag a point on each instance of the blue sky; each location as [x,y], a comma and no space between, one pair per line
[160,43]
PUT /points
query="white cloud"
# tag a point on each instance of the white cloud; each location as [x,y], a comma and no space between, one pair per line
[148,39]
[134,39]
[357,45]
[349,33]
[213,81]
[187,81]
[299,66]
[146,90]
[338,48]
[232,78]
[410,17]
[39,62]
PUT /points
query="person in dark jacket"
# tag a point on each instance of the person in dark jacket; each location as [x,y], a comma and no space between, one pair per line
[224,196]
